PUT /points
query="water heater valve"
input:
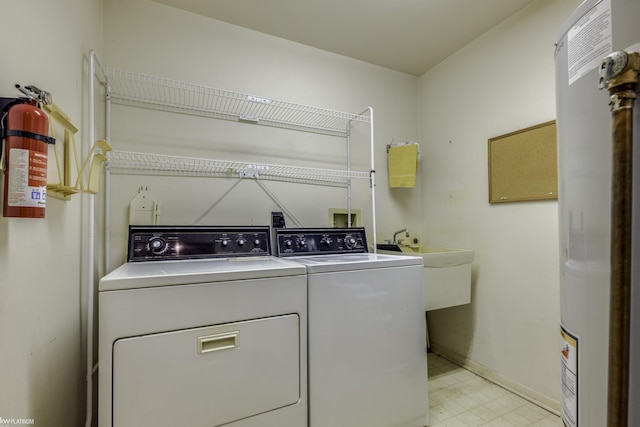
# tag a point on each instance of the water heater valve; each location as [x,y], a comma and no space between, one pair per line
[619,68]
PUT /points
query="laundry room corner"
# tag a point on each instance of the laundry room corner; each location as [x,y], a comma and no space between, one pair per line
[509,331]
[285,214]
[230,57]
[41,305]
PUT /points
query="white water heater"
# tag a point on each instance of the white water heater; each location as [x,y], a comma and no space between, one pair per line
[595,30]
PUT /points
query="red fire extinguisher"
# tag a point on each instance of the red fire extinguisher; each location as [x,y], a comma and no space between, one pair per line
[25,128]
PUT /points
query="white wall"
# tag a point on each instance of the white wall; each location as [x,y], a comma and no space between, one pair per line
[41,367]
[501,82]
[213,53]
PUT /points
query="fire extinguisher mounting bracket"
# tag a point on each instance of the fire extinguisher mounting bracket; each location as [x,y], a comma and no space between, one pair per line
[26,134]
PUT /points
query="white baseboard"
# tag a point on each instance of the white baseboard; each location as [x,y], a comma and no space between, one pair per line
[532,396]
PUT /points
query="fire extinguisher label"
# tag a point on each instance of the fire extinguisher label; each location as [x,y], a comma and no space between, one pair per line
[27,185]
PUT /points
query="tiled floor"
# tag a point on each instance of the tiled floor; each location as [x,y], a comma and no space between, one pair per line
[459,398]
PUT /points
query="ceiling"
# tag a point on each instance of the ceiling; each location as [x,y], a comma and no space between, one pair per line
[410,36]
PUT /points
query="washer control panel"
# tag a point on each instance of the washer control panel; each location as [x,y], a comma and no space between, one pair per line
[320,241]
[167,242]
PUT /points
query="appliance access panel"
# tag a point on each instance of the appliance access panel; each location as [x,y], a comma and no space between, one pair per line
[320,241]
[149,243]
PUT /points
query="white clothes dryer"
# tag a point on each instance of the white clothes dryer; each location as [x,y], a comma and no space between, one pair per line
[202,328]
[366,330]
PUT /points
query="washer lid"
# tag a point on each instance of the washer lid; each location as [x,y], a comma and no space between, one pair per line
[169,273]
[348,262]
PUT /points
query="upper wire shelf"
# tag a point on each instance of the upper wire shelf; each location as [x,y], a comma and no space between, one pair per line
[160,93]
[127,162]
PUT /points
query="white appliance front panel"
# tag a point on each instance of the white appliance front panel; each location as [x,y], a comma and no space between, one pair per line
[207,376]
[367,349]
[585,194]
[152,310]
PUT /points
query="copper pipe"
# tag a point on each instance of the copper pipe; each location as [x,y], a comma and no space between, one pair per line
[623,97]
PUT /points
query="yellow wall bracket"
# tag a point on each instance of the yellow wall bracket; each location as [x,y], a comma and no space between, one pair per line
[64,188]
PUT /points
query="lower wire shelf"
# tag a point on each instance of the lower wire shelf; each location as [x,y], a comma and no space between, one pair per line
[136,163]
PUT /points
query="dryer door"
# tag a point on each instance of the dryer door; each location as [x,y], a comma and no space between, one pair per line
[206,376]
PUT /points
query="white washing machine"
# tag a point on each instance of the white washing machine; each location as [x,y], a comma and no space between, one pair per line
[203,328]
[366,330]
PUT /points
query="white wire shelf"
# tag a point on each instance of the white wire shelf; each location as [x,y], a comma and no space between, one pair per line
[141,90]
[134,163]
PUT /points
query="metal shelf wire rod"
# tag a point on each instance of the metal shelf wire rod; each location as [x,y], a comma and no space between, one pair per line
[161,93]
[160,164]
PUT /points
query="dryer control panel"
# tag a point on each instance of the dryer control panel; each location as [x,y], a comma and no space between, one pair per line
[148,243]
[320,241]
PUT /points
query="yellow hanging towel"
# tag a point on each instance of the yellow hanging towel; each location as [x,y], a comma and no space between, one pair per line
[403,165]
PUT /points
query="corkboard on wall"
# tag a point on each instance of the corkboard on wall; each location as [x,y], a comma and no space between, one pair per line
[523,165]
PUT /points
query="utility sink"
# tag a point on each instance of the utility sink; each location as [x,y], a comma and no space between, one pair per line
[447,273]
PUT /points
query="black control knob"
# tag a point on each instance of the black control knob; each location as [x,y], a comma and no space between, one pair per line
[302,243]
[157,245]
[256,242]
[241,241]
[326,241]
[350,242]
[224,243]
[288,243]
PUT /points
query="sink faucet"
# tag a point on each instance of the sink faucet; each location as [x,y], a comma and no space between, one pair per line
[404,230]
